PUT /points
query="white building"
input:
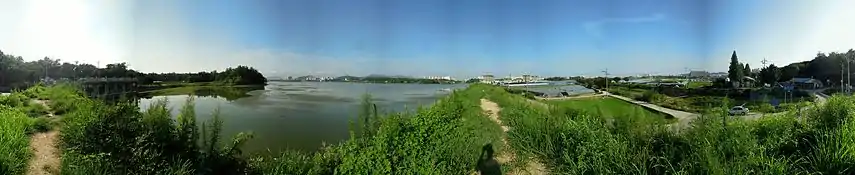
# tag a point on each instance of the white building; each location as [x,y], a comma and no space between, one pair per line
[439,78]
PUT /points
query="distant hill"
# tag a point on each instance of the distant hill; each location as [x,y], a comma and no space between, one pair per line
[347,78]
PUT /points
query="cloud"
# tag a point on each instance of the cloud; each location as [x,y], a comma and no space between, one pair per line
[595,28]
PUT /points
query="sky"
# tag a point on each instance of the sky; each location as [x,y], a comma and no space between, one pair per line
[427,37]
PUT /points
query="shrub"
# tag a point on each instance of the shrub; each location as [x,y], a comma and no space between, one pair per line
[41,124]
[118,139]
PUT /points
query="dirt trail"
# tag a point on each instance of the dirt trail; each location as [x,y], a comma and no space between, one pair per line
[532,167]
[45,158]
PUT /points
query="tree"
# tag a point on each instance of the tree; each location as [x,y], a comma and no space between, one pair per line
[734,72]
[770,75]
[747,71]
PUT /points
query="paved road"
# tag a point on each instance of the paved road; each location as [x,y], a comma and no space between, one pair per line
[685,118]
[820,99]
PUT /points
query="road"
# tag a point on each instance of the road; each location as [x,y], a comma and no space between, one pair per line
[685,118]
[820,99]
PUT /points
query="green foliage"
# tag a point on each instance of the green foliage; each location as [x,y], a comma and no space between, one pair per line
[770,75]
[14,142]
[118,139]
[473,80]
[819,140]
[41,124]
[606,107]
[735,71]
[241,75]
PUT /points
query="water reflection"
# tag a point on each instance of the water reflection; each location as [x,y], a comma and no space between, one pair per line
[230,93]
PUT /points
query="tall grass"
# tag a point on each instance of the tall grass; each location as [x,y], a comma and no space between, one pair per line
[99,138]
[14,141]
[445,138]
[820,140]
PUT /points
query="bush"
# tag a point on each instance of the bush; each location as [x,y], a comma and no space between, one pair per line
[41,124]
[118,139]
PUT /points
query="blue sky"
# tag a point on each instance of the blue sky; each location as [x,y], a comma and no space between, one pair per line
[430,37]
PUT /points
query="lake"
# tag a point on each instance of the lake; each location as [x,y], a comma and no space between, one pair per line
[303,115]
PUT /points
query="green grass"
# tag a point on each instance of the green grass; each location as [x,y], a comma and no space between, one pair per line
[14,141]
[698,84]
[447,137]
[572,141]
[607,107]
[100,138]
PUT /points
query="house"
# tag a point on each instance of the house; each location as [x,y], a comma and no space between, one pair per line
[805,83]
[747,82]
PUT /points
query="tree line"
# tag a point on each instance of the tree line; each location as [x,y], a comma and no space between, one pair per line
[17,73]
[825,67]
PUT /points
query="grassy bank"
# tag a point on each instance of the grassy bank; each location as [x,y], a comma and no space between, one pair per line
[702,103]
[606,107]
[576,142]
[447,138]
[100,138]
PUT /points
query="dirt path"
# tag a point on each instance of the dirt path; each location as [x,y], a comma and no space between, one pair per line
[532,167]
[45,158]
[45,155]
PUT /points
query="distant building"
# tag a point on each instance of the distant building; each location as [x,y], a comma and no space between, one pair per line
[439,77]
[718,74]
[805,83]
[487,78]
[699,74]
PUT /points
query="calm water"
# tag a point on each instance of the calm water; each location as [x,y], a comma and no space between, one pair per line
[303,115]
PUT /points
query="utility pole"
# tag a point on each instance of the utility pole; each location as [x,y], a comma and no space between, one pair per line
[764,61]
[848,77]
[607,78]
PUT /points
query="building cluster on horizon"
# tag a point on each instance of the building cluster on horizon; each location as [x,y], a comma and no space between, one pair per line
[439,78]
[310,78]
[525,78]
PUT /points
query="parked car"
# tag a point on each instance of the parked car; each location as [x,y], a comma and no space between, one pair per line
[738,110]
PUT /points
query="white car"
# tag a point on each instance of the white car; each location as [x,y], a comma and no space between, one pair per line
[738,110]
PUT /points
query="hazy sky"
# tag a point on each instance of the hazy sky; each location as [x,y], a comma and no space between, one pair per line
[426,37]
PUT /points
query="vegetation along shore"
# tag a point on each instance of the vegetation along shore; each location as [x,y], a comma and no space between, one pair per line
[444,138]
[480,129]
